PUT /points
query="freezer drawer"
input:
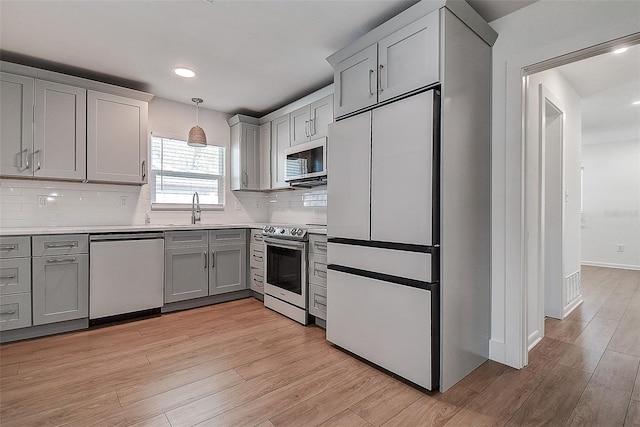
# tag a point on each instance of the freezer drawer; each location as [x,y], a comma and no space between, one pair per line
[386,323]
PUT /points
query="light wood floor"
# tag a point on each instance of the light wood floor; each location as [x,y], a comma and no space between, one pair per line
[240,364]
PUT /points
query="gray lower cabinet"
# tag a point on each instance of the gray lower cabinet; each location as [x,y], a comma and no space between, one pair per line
[60,288]
[60,278]
[186,266]
[186,274]
[228,266]
[317,272]
[15,282]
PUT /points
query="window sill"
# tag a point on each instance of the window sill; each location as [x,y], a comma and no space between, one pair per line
[185,207]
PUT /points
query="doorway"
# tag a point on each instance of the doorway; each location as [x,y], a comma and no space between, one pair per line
[558,120]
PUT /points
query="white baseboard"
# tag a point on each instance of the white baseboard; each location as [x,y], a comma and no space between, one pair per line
[534,339]
[497,351]
[611,265]
[569,308]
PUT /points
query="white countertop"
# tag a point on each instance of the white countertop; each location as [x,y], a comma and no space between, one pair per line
[97,229]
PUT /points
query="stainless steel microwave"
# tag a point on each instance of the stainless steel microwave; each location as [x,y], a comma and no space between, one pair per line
[306,161]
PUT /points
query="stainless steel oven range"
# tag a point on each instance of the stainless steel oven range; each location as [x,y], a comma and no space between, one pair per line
[285,287]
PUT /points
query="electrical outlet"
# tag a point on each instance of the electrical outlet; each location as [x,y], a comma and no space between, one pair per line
[42,201]
[620,247]
[123,201]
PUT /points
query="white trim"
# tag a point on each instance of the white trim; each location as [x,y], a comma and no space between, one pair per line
[534,339]
[611,265]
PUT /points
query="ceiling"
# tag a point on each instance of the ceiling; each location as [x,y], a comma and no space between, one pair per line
[251,57]
[608,85]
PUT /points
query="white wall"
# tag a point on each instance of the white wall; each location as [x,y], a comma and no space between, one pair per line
[611,204]
[544,30]
[76,204]
[562,94]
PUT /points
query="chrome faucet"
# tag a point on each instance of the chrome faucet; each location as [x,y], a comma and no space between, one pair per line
[195,208]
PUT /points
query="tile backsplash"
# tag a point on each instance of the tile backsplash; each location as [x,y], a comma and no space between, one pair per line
[25,203]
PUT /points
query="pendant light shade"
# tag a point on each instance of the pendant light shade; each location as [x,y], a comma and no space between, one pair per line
[197,138]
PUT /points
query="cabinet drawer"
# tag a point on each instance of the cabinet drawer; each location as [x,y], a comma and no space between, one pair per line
[318,269]
[256,255]
[15,247]
[227,237]
[318,244]
[318,301]
[15,311]
[15,276]
[63,244]
[185,239]
[257,280]
[256,236]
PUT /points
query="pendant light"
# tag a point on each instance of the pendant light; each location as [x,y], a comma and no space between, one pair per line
[197,138]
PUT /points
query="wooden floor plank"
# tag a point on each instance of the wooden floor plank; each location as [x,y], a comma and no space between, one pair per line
[633,414]
[545,355]
[482,377]
[426,411]
[566,331]
[597,334]
[582,358]
[346,418]
[552,402]
[626,339]
[385,403]
[616,370]
[600,406]
[157,421]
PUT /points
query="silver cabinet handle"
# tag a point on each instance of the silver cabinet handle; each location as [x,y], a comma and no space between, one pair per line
[380,78]
[7,248]
[204,257]
[307,129]
[22,158]
[37,163]
[245,178]
[320,273]
[144,170]
[320,245]
[60,245]
[213,259]
[312,130]
[370,88]
[316,303]
[9,276]
[58,261]
[8,312]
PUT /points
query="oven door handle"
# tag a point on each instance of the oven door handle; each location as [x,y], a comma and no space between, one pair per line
[284,243]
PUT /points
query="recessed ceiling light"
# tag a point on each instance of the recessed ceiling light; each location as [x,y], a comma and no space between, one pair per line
[620,50]
[184,72]
[636,102]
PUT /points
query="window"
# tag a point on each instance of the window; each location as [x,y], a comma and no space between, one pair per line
[178,170]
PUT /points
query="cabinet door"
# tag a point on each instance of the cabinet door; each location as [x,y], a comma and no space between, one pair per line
[401,171]
[245,157]
[299,125]
[356,82]
[321,116]
[409,58]
[16,132]
[116,139]
[348,190]
[60,135]
[185,274]
[279,141]
[265,156]
[228,269]
[60,288]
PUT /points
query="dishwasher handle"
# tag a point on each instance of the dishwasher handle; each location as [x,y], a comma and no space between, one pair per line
[127,236]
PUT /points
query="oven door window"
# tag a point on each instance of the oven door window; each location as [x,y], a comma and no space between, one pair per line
[284,268]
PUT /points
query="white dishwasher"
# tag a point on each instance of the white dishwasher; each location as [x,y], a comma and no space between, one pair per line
[126,273]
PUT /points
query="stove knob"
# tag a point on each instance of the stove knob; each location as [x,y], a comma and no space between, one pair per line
[282,231]
[293,231]
[266,229]
[271,229]
[300,231]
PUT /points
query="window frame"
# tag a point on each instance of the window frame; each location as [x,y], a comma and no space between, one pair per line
[153,175]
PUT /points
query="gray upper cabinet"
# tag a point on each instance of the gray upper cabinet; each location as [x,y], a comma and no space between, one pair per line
[406,60]
[116,139]
[265,156]
[409,58]
[43,129]
[280,140]
[355,81]
[16,132]
[245,153]
[59,143]
[311,121]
